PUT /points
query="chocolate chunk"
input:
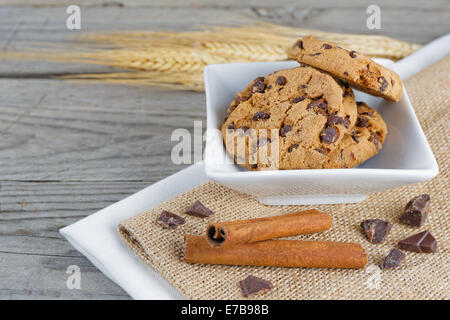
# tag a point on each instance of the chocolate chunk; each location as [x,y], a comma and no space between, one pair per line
[260,115]
[199,210]
[298,99]
[281,81]
[376,230]
[299,44]
[362,122]
[352,54]
[294,146]
[170,220]
[258,85]
[355,136]
[285,129]
[315,54]
[303,86]
[329,135]
[327,46]
[253,285]
[346,73]
[383,83]
[254,166]
[230,126]
[421,242]
[416,211]
[393,259]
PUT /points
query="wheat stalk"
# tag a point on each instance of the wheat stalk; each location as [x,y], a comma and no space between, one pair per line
[178,58]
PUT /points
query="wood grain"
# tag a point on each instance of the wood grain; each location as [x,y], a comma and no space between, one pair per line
[70,149]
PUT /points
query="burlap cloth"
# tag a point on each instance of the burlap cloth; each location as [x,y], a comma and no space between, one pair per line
[420,276]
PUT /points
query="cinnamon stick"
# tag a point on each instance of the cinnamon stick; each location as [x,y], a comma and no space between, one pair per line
[277,253]
[252,230]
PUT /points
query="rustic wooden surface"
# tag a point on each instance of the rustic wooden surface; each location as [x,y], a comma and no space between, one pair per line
[68,150]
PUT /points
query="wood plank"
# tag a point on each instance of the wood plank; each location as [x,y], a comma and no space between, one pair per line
[404,20]
[33,256]
[27,276]
[56,130]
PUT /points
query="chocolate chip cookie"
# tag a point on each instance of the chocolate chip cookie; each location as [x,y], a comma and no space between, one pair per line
[353,67]
[365,140]
[289,120]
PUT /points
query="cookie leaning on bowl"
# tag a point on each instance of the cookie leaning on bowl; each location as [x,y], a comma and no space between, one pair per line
[303,106]
[351,66]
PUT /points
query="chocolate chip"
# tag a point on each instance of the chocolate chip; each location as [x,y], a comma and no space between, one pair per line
[319,106]
[416,210]
[375,138]
[329,135]
[260,115]
[230,126]
[298,99]
[327,46]
[231,109]
[362,122]
[383,83]
[199,210]
[285,129]
[420,242]
[294,146]
[352,54]
[346,73]
[281,81]
[376,230]
[170,220]
[355,136]
[393,259]
[254,166]
[263,141]
[334,119]
[368,113]
[253,285]
[319,150]
[347,121]
[299,44]
[243,129]
[258,85]
[238,99]
[303,86]
[315,54]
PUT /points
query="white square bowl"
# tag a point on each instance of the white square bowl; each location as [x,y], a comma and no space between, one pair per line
[405,158]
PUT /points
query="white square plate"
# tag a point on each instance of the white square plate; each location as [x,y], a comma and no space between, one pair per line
[405,158]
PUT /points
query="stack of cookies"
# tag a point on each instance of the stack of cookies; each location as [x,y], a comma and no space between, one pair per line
[307,117]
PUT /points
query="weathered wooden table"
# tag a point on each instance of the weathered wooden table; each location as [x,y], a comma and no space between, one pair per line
[68,150]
